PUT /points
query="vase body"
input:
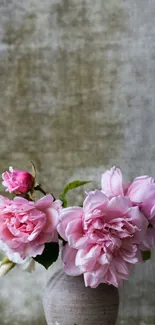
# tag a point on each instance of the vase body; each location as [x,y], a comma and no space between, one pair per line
[67,301]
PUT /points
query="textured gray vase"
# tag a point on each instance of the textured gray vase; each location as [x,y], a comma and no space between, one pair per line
[68,302]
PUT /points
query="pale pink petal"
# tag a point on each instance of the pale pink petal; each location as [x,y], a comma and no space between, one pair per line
[111,182]
[100,270]
[90,280]
[5,234]
[68,258]
[139,188]
[75,240]
[129,252]
[111,277]
[152,215]
[74,226]
[61,230]
[52,219]
[57,205]
[21,200]
[121,266]
[148,201]
[45,202]
[105,258]
[129,259]
[93,200]
[118,206]
[139,220]
[66,215]
[71,213]
[125,187]
[87,258]
[33,250]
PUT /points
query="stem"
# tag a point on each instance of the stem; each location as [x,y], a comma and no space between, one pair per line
[5,260]
[11,265]
[39,188]
[53,197]
[6,265]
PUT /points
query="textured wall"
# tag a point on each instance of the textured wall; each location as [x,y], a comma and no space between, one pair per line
[77,96]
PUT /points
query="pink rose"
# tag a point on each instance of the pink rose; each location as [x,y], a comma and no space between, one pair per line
[142,191]
[17,181]
[25,226]
[103,238]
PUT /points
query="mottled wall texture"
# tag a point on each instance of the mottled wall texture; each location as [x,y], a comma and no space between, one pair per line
[76,97]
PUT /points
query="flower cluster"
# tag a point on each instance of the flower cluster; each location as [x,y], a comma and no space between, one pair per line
[102,239]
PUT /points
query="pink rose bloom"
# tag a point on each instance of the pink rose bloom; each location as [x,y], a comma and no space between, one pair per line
[17,181]
[142,191]
[25,226]
[103,238]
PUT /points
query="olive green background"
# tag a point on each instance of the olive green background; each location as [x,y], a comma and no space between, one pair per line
[77,97]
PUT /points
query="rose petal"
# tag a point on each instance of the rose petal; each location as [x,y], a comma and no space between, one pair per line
[93,200]
[111,182]
[118,206]
[45,202]
[67,215]
[68,258]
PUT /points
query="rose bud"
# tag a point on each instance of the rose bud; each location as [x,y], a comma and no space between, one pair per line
[17,181]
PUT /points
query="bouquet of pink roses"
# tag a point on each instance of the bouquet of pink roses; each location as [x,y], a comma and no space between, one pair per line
[103,239]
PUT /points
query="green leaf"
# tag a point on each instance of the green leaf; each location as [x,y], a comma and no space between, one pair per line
[69,187]
[74,184]
[146,255]
[49,255]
